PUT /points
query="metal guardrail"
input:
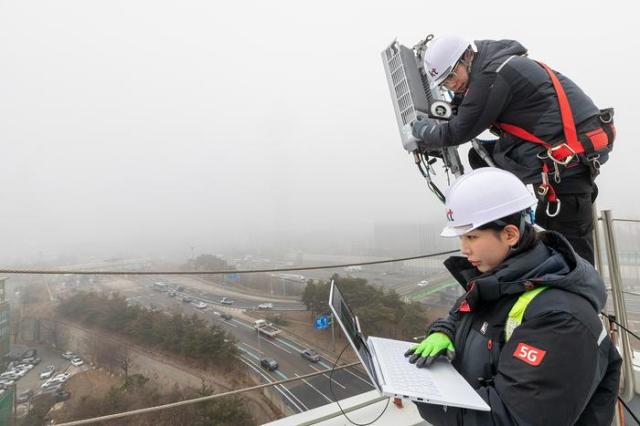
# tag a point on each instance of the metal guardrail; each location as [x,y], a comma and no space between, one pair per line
[619,307]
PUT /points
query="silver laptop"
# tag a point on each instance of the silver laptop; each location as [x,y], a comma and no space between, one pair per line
[391,373]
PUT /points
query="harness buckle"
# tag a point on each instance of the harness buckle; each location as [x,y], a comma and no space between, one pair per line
[567,159]
[542,190]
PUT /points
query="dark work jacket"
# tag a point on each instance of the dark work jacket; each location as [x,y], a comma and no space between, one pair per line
[506,86]
[576,381]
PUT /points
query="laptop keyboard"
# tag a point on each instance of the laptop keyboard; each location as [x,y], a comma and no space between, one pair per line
[399,372]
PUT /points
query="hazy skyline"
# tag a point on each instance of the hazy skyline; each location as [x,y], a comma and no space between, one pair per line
[135,126]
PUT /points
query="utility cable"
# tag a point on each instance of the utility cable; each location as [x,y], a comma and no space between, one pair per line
[197,400]
[229,271]
[629,410]
[612,319]
[336,399]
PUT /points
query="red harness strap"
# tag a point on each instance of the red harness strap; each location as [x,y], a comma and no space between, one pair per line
[564,152]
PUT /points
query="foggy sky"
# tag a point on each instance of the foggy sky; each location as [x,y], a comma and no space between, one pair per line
[129,126]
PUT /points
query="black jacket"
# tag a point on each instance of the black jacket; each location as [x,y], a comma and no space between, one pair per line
[575,380]
[506,86]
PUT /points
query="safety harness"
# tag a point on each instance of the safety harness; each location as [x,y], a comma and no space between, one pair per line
[585,148]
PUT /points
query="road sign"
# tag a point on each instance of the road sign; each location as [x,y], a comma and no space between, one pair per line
[233,277]
[321,322]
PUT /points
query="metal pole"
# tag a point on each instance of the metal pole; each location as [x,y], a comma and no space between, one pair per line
[619,410]
[619,307]
[333,334]
[597,243]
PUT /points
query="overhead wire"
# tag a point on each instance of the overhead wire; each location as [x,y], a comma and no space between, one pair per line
[200,399]
[221,272]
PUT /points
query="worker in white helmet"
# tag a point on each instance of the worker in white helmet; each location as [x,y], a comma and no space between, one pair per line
[526,334]
[551,134]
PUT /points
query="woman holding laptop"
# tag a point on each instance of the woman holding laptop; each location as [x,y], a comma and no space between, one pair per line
[526,334]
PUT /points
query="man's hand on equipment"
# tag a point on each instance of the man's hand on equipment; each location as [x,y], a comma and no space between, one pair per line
[422,127]
[436,345]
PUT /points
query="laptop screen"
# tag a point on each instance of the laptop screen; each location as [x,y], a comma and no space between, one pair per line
[351,328]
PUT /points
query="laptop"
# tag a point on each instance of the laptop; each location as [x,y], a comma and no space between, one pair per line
[393,375]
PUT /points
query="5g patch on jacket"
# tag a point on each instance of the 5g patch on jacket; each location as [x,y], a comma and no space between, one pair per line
[529,354]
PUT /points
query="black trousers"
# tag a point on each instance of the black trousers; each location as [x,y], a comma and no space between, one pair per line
[574,222]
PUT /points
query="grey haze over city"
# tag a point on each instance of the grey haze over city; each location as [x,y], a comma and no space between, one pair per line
[150,127]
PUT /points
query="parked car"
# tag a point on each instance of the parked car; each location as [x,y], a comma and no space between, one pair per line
[171,293]
[62,376]
[29,353]
[265,306]
[6,383]
[47,373]
[423,283]
[77,362]
[311,355]
[24,396]
[10,375]
[68,355]
[226,316]
[179,288]
[187,299]
[58,379]
[226,301]
[31,360]
[51,387]
[269,364]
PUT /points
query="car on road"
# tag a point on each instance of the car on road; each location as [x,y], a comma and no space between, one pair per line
[68,355]
[310,354]
[77,362]
[171,293]
[269,364]
[265,306]
[423,283]
[226,301]
[199,305]
[187,299]
[24,396]
[226,316]
[179,288]
[47,373]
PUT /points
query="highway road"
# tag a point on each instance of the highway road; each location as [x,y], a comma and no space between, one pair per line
[212,294]
[300,395]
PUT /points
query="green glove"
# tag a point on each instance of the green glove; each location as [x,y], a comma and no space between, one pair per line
[436,345]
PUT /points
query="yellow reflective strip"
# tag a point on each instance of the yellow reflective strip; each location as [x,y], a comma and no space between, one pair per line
[514,319]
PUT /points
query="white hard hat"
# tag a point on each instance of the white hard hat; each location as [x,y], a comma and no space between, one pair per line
[441,56]
[483,196]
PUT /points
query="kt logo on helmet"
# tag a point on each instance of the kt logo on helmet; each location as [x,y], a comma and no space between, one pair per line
[450,215]
[433,72]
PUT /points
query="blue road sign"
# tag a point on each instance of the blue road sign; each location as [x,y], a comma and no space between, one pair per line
[321,322]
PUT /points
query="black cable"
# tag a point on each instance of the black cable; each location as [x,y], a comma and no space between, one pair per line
[610,317]
[221,272]
[629,410]
[336,399]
